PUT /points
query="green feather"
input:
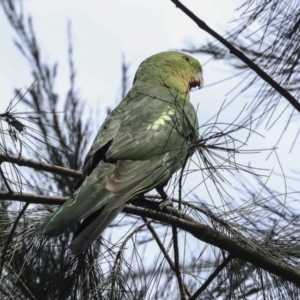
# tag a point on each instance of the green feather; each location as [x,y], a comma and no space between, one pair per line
[140,145]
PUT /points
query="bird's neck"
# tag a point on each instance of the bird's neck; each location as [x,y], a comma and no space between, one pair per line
[177,88]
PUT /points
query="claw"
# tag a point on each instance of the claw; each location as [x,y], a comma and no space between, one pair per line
[162,204]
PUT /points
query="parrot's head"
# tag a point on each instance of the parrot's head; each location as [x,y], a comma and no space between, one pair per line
[175,70]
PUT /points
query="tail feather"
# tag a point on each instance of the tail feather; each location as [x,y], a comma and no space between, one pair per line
[90,233]
[91,196]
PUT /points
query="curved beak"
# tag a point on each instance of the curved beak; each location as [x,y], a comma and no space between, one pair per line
[197,81]
[200,80]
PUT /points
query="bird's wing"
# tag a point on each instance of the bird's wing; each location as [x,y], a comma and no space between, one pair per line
[151,145]
[155,125]
[145,147]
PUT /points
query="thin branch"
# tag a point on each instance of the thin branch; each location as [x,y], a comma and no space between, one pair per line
[237,248]
[40,166]
[5,180]
[10,238]
[283,92]
[177,265]
[164,251]
[32,198]
[212,276]
[206,234]
[159,243]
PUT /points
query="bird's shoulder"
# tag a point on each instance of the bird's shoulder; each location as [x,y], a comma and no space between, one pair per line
[145,119]
[155,124]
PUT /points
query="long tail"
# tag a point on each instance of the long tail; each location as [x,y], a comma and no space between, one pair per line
[91,229]
[89,198]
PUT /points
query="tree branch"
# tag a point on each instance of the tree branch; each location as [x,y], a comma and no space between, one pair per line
[237,248]
[164,251]
[212,276]
[4,250]
[177,264]
[40,166]
[283,92]
[5,180]
[32,198]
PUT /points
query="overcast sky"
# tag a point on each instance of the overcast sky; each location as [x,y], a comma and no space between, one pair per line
[103,31]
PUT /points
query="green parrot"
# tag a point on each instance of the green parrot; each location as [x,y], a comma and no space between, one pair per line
[143,141]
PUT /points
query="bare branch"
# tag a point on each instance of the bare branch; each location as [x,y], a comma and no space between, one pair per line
[177,265]
[164,251]
[32,198]
[226,261]
[238,248]
[240,55]
[4,250]
[41,166]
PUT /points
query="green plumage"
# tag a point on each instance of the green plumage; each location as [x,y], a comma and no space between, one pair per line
[140,145]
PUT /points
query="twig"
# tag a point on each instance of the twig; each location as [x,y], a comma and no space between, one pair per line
[5,180]
[41,166]
[164,251]
[212,277]
[177,265]
[283,92]
[10,237]
[238,248]
[32,198]
[159,243]
[119,260]
[180,183]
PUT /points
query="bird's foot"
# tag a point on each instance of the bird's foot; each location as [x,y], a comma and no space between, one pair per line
[166,200]
[164,203]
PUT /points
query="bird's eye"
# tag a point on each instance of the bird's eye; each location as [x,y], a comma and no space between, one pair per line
[186,58]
